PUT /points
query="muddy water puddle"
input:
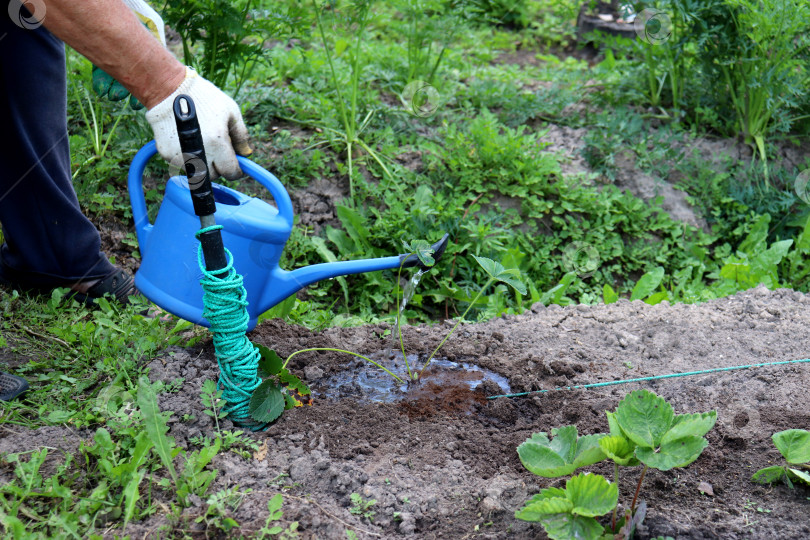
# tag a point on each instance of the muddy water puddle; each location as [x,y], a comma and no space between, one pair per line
[444,379]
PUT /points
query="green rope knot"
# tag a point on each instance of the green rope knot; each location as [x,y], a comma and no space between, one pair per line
[225,301]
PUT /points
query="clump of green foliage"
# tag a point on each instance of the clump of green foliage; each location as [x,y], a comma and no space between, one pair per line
[794,445]
[362,507]
[104,482]
[224,39]
[644,429]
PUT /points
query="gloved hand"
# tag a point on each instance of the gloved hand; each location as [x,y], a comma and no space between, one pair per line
[106,86]
[221,124]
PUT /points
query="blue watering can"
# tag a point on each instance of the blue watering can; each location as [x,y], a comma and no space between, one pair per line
[253,231]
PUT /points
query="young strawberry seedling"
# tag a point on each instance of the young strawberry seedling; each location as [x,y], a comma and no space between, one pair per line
[644,429]
[794,445]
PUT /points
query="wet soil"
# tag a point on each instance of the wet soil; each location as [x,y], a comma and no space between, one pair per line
[441,461]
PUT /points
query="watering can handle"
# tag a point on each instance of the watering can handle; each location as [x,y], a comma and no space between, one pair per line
[138,201]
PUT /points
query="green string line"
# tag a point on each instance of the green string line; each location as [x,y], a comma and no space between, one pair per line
[653,378]
[225,301]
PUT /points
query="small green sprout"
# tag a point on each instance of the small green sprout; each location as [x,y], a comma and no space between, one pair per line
[362,507]
[794,445]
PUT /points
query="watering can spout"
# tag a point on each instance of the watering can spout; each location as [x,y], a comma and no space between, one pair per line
[286,283]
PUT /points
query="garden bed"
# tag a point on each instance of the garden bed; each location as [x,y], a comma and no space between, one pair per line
[446,466]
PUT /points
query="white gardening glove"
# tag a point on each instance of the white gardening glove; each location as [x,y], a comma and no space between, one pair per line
[149,17]
[223,130]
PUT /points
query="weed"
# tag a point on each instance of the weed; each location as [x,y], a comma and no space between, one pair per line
[275,514]
[557,25]
[232,34]
[211,397]
[358,16]
[429,29]
[764,75]
[220,504]
[362,507]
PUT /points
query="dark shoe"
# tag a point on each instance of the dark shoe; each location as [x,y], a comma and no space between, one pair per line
[11,386]
[118,283]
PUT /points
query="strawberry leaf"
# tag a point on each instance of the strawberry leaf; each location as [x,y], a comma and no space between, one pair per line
[267,402]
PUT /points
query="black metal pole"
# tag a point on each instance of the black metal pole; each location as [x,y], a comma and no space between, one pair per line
[199,181]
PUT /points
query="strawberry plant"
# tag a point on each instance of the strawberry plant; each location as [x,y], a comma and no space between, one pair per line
[644,429]
[562,454]
[571,512]
[280,390]
[495,271]
[794,445]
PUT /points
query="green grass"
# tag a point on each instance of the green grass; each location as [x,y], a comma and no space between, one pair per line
[82,363]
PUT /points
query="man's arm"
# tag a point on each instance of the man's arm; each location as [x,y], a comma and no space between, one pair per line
[95,29]
[108,34]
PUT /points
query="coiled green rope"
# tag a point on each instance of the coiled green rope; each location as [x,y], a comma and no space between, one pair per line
[653,378]
[225,301]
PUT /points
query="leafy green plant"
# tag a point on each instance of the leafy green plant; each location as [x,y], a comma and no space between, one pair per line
[571,512]
[220,504]
[429,28]
[225,39]
[358,17]
[562,454]
[794,445]
[94,126]
[557,25]
[644,429]
[496,272]
[194,479]
[280,390]
[362,507]
[275,514]
[511,13]
[122,469]
[211,398]
[765,74]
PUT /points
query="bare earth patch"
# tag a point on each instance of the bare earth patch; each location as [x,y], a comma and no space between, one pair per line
[441,461]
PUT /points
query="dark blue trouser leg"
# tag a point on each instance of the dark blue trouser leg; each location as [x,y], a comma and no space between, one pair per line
[48,241]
